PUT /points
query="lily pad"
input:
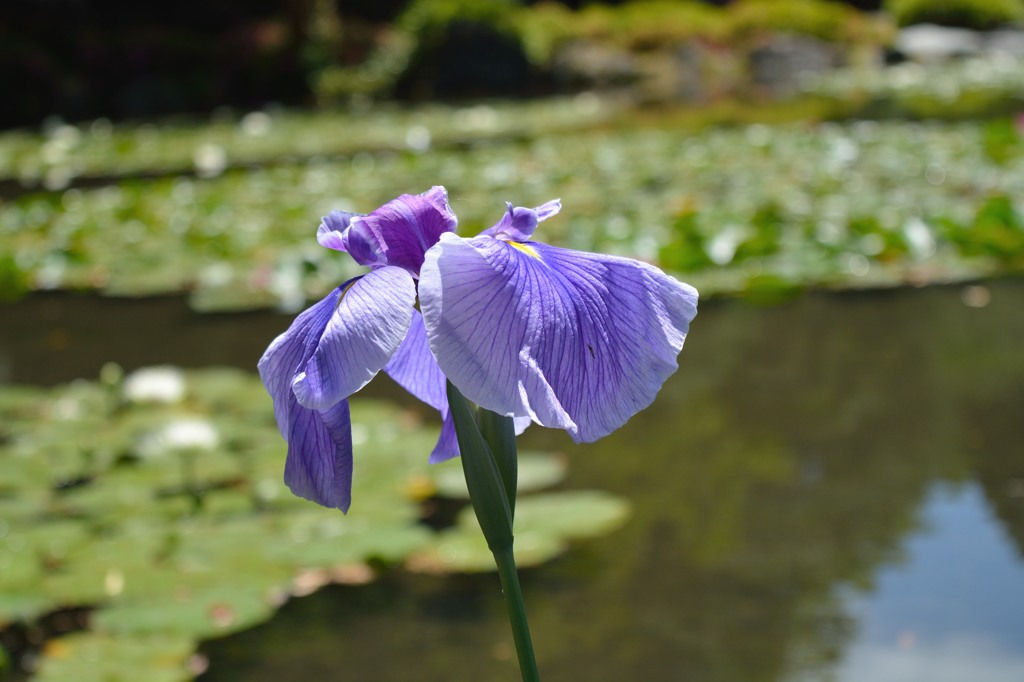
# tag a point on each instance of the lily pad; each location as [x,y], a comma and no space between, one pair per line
[464,550]
[22,605]
[887,203]
[537,470]
[197,614]
[319,541]
[544,524]
[200,537]
[94,657]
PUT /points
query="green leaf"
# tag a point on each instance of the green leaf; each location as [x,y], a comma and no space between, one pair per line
[202,613]
[92,657]
[483,478]
[537,470]
[543,527]
[499,432]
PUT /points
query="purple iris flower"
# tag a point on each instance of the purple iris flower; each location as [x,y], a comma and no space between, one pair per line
[571,340]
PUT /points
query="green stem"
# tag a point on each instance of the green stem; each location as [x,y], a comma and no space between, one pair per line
[487,442]
[500,435]
[517,613]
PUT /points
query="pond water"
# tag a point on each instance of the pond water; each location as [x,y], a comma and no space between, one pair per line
[832,488]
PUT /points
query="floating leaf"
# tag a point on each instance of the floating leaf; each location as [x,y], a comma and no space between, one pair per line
[537,470]
[92,657]
[543,526]
[197,614]
[465,550]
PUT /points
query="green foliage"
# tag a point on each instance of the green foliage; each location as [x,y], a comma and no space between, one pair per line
[997,231]
[543,524]
[1002,140]
[727,206]
[830,21]
[968,89]
[542,28]
[976,14]
[421,27]
[429,20]
[59,155]
[650,24]
[156,499]
[93,657]
[14,282]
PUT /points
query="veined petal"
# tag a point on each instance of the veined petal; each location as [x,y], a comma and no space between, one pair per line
[331,232]
[319,463]
[364,331]
[519,223]
[289,352]
[448,442]
[575,340]
[414,368]
[400,232]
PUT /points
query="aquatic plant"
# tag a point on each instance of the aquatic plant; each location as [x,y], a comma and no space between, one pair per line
[529,332]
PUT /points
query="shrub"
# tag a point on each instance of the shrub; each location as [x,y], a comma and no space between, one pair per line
[829,21]
[976,14]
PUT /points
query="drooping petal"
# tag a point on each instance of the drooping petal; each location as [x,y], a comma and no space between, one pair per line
[414,368]
[575,340]
[448,442]
[400,232]
[319,463]
[331,232]
[364,331]
[289,352]
[519,223]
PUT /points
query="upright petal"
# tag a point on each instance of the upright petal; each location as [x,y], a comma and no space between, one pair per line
[400,232]
[414,368]
[331,232]
[519,223]
[575,340]
[371,320]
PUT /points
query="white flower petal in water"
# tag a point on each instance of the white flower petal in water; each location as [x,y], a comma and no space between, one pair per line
[155,385]
[191,433]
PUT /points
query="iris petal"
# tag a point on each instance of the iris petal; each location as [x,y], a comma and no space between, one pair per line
[575,340]
[414,368]
[364,331]
[319,463]
[289,352]
[331,232]
[400,232]
[519,223]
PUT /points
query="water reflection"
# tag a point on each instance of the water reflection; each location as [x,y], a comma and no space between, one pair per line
[953,611]
[829,488]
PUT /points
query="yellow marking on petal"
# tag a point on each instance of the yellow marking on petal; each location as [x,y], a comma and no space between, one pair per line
[527,249]
[345,291]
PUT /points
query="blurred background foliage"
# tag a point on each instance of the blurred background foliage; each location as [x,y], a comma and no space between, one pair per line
[220,205]
[82,59]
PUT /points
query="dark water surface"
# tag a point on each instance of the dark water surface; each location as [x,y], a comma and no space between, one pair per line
[829,489]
